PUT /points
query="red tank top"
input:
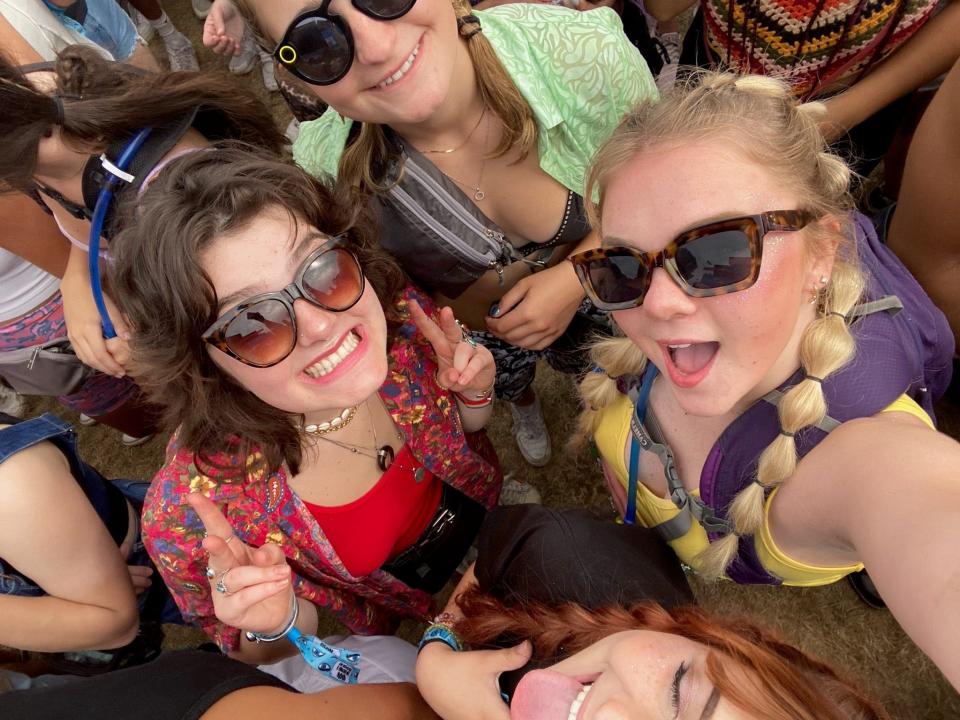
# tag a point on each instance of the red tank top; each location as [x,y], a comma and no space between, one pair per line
[384,521]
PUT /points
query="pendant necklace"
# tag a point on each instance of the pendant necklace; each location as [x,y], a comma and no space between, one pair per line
[478,194]
[383,454]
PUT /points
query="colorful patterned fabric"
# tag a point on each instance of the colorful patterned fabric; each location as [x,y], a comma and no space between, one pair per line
[577,70]
[812,44]
[100,394]
[262,508]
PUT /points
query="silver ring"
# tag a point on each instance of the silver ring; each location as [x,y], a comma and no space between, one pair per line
[210,572]
[220,587]
[465,334]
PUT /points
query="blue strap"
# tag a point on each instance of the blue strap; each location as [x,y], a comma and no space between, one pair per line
[336,663]
[96,228]
[640,412]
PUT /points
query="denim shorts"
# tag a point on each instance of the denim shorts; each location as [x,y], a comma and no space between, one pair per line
[105,24]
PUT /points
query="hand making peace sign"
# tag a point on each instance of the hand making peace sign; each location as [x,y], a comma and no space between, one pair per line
[463,365]
[250,587]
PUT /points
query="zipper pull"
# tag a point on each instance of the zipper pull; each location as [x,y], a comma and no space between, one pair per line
[499,268]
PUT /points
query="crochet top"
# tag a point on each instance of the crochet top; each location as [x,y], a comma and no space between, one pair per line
[812,44]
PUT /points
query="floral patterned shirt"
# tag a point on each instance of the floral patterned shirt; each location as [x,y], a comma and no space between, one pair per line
[262,508]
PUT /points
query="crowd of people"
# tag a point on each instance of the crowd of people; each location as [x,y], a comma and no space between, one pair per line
[318,320]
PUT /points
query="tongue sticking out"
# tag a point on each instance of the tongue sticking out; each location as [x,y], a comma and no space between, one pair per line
[544,695]
[694,357]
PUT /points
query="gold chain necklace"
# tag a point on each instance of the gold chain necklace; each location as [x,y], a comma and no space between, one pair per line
[465,140]
[478,194]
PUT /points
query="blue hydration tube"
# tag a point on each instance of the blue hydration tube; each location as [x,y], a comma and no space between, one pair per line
[116,174]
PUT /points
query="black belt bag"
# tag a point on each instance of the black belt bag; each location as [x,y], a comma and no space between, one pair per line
[428,564]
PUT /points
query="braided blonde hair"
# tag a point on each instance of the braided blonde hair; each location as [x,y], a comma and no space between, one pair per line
[764,122]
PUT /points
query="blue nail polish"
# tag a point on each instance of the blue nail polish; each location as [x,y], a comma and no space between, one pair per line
[494,310]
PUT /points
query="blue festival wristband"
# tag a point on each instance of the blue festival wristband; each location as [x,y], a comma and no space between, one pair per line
[336,663]
[440,633]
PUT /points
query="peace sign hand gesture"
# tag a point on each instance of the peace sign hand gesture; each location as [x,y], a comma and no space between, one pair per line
[250,587]
[463,365]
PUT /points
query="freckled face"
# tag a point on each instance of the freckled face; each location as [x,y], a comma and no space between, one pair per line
[340,357]
[632,675]
[427,35]
[742,344]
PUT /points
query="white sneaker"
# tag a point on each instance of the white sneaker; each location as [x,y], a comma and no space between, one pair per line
[131,441]
[180,52]
[673,44]
[201,8]
[243,62]
[11,402]
[145,28]
[267,71]
[531,434]
[518,492]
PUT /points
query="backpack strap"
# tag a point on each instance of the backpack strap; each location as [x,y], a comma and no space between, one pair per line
[890,304]
[649,437]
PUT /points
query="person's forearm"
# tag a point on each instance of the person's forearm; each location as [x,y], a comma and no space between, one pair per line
[375,701]
[474,419]
[32,234]
[263,653]
[924,57]
[52,624]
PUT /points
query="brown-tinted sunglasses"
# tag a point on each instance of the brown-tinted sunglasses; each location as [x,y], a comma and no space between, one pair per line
[714,259]
[262,330]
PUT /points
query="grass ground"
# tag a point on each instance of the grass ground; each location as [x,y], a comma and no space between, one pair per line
[829,621]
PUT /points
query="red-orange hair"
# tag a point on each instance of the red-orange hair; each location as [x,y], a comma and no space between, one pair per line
[753,669]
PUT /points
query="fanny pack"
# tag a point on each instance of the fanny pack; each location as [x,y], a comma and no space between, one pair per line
[428,564]
[441,238]
[48,369]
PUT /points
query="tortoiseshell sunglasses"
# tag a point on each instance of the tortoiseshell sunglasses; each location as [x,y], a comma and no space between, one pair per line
[714,259]
[262,330]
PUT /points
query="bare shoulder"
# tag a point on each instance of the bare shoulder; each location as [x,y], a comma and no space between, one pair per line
[867,454]
[33,475]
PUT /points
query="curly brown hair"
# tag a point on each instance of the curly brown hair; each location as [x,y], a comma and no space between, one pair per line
[751,667]
[161,288]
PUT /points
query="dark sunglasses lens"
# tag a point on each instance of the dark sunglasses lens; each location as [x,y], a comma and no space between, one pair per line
[386,9]
[318,49]
[334,280]
[262,334]
[716,260]
[618,278]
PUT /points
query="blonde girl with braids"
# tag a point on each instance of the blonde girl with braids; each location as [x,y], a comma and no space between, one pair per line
[503,109]
[801,448]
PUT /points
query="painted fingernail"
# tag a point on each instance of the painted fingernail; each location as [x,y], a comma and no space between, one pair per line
[495,310]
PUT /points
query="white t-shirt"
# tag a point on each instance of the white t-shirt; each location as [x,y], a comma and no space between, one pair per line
[41,28]
[383,659]
[25,286]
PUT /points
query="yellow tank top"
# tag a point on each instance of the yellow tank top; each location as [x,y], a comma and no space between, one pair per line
[611,439]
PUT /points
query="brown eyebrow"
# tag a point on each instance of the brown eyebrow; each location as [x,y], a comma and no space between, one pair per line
[296,256]
[711,705]
[719,217]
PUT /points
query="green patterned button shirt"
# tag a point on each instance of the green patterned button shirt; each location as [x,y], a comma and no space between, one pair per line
[577,70]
